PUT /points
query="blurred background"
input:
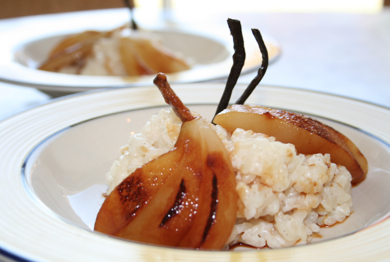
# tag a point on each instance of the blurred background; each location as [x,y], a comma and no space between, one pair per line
[334,46]
[15,8]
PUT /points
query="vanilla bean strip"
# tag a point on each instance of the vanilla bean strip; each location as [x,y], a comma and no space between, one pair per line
[260,73]
[238,63]
[130,5]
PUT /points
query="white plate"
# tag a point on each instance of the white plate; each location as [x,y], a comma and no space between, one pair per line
[27,42]
[54,157]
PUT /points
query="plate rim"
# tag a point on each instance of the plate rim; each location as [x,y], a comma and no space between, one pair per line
[119,15]
[78,99]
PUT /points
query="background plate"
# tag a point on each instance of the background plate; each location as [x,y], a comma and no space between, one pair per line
[29,40]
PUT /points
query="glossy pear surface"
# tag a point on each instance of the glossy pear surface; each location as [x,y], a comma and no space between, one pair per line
[185,197]
[142,57]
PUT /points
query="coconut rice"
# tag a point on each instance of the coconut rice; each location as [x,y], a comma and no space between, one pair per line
[284,197]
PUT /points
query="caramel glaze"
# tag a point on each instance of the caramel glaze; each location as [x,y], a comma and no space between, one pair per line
[132,195]
[177,206]
[213,209]
[337,223]
[240,244]
[317,235]
[314,235]
[299,120]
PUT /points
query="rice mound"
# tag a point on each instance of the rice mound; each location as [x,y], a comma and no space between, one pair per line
[284,197]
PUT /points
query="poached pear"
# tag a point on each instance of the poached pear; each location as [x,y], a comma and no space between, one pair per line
[186,197]
[308,135]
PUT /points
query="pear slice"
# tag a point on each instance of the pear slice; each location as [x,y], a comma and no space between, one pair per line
[184,198]
[74,39]
[308,135]
[217,208]
[129,197]
[71,50]
[70,55]
[157,58]
[130,58]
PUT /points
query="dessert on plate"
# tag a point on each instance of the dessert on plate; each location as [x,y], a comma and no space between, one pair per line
[250,177]
[120,52]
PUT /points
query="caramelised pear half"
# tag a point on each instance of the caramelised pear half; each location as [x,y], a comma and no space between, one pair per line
[183,198]
[71,50]
[308,135]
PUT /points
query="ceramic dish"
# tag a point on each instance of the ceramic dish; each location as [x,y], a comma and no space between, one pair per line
[29,40]
[54,158]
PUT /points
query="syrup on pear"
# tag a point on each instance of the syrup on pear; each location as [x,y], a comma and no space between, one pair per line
[183,198]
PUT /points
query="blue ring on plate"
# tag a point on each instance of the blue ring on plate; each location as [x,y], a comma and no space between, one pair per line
[12,256]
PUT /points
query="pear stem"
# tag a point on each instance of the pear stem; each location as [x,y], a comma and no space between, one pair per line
[172,99]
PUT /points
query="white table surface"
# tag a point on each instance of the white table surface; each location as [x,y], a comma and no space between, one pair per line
[342,54]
